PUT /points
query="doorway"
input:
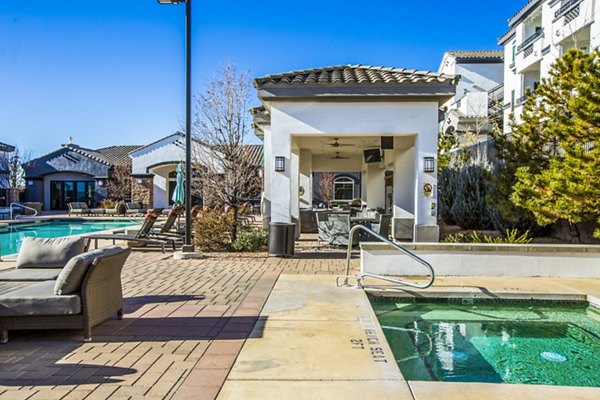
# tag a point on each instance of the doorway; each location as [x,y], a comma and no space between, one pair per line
[64,192]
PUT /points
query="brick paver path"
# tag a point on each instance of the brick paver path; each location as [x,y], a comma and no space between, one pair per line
[184,324]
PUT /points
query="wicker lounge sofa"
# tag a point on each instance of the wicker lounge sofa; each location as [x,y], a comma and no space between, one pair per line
[50,288]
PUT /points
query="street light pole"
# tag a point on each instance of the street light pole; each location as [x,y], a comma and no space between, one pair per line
[188,246]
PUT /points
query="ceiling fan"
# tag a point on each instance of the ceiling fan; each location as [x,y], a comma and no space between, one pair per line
[336,143]
[339,157]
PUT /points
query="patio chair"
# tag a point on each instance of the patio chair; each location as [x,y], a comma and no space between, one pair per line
[134,207]
[142,236]
[340,230]
[323,228]
[79,208]
[383,227]
[169,226]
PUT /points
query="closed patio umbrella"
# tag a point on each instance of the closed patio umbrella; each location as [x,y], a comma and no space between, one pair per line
[179,192]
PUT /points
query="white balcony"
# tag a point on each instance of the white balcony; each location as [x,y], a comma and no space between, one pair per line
[570,17]
[529,52]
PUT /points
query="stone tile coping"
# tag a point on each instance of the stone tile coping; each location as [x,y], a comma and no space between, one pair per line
[488,247]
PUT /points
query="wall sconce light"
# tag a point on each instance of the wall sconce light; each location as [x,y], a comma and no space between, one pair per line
[279,164]
[139,180]
[100,183]
[429,164]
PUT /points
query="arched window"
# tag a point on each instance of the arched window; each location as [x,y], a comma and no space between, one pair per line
[343,188]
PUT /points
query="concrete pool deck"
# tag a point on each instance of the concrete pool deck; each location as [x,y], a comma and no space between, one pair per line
[314,340]
[202,329]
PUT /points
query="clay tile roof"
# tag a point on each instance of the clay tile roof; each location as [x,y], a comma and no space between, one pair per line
[483,55]
[255,153]
[6,147]
[112,155]
[354,75]
[118,154]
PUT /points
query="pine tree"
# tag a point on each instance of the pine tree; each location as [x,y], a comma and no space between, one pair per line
[554,151]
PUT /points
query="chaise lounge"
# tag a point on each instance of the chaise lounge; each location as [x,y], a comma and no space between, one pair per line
[56,285]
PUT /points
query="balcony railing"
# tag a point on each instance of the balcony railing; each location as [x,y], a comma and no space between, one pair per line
[496,93]
[566,7]
[538,34]
[521,100]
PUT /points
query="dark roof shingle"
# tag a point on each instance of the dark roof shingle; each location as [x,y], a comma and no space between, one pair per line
[355,75]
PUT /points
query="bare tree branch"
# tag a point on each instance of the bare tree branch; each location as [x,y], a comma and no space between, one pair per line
[223,166]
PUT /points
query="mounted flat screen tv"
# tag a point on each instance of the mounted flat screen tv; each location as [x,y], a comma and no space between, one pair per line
[372,156]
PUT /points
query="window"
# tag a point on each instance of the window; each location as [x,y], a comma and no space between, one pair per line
[514,52]
[512,101]
[343,188]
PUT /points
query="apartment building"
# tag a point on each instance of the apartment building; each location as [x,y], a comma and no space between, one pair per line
[539,33]
[469,114]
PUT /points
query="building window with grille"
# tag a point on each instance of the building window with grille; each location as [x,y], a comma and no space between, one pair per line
[343,188]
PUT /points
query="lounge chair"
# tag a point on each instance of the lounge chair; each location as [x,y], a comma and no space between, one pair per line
[169,226]
[134,208]
[79,208]
[142,236]
[86,291]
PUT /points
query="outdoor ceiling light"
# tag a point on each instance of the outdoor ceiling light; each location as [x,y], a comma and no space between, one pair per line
[429,164]
[280,164]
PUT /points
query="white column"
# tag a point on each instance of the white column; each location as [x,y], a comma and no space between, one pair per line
[306,178]
[295,183]
[375,186]
[267,174]
[426,228]
[281,199]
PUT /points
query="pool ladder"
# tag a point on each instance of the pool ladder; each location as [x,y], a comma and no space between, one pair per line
[21,205]
[364,274]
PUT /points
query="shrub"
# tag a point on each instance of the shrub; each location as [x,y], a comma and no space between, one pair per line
[212,230]
[511,237]
[108,204]
[251,240]
[463,193]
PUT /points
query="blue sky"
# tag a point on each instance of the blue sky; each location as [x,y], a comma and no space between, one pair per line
[112,71]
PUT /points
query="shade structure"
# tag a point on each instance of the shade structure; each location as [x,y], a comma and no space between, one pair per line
[179,192]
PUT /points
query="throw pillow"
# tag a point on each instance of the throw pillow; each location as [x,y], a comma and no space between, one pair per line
[48,252]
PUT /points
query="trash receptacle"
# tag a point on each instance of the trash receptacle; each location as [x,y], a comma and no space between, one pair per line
[281,239]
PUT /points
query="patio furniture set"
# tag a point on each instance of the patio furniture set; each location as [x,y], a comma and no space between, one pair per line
[333,227]
[58,284]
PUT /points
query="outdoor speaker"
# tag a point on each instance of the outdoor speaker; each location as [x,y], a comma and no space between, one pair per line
[387,143]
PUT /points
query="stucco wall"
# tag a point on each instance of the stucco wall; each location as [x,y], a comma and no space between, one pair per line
[382,118]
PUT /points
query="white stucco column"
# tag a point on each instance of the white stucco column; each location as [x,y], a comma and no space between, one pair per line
[374,184]
[306,178]
[267,176]
[281,182]
[426,228]
[295,183]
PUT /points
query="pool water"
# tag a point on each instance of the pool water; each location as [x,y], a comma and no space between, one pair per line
[12,236]
[526,344]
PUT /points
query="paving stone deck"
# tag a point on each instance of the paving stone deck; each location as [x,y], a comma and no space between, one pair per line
[184,325]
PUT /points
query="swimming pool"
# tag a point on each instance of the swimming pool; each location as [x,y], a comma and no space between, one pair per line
[532,343]
[11,236]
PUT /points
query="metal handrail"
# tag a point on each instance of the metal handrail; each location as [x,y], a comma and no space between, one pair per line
[394,245]
[22,206]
